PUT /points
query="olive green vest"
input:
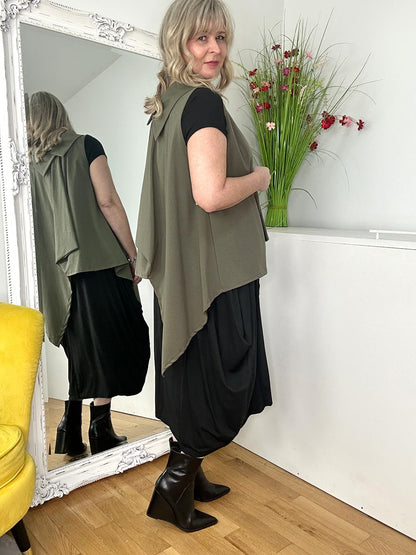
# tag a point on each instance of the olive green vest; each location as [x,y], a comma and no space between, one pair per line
[189,255]
[71,233]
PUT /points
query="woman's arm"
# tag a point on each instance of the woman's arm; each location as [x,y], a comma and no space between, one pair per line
[111,206]
[211,188]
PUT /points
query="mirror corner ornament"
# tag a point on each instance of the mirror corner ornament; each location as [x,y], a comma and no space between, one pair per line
[110,29]
[45,490]
[20,168]
[10,9]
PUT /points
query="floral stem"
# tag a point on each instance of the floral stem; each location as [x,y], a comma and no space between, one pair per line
[276,216]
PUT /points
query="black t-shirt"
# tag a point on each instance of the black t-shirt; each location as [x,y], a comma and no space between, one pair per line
[93,148]
[204,108]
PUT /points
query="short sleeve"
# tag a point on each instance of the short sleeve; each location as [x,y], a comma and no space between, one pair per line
[204,108]
[93,148]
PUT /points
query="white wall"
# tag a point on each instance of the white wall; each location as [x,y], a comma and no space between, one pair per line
[339,317]
[379,188]
[110,108]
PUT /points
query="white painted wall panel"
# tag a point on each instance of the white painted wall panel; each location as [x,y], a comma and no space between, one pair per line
[339,323]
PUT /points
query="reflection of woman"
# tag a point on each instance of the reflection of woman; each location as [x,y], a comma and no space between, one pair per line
[85,260]
[203,250]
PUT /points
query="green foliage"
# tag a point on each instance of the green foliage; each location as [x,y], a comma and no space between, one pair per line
[293,96]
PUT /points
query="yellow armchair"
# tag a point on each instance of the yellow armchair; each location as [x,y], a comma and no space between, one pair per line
[21,335]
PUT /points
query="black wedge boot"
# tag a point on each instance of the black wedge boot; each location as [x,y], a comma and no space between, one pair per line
[101,432]
[173,497]
[68,433]
[204,489]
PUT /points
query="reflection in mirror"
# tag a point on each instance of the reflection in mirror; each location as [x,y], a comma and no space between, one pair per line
[102,89]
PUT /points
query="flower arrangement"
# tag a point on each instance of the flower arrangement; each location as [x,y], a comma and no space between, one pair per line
[293,97]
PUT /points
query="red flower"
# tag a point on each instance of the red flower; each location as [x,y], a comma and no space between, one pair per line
[284,88]
[253,85]
[275,46]
[308,118]
[296,69]
[289,53]
[360,124]
[259,107]
[327,122]
[266,105]
[313,145]
[253,72]
[286,71]
[343,120]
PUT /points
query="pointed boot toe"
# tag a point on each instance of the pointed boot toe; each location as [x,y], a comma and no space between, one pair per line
[207,491]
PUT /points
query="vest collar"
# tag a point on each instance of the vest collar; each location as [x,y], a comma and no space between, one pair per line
[169,99]
[67,140]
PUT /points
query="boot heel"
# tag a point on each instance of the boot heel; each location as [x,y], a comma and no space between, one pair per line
[160,509]
[60,445]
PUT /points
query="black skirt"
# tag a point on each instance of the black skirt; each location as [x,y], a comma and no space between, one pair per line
[106,339]
[206,396]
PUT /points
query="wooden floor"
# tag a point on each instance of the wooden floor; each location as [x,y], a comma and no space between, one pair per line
[267,511]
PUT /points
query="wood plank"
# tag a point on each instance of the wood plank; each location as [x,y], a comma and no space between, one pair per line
[74,528]
[292,550]
[340,526]
[256,526]
[87,508]
[45,533]
[268,511]
[118,541]
[381,546]
[291,516]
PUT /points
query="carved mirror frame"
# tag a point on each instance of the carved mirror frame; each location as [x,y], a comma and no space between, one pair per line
[16,207]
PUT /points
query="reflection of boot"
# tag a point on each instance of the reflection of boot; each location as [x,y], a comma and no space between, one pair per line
[204,489]
[101,432]
[68,433]
[173,497]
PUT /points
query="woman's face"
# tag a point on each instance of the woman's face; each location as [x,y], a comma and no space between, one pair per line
[209,51]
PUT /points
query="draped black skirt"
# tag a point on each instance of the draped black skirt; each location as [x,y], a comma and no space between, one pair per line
[106,339]
[206,396]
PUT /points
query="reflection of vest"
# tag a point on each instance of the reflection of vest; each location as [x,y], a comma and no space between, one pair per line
[189,255]
[71,233]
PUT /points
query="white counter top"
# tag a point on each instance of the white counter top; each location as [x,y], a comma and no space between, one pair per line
[391,240]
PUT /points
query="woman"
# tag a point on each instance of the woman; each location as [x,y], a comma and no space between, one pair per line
[85,261]
[204,252]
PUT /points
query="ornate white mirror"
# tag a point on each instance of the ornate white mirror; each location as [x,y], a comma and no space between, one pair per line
[101,70]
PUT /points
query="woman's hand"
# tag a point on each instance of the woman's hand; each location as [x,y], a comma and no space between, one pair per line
[136,279]
[132,265]
[263,175]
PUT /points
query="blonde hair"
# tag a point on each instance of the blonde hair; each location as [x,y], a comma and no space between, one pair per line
[184,20]
[47,119]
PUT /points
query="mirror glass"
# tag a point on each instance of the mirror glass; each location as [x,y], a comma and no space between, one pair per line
[102,89]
